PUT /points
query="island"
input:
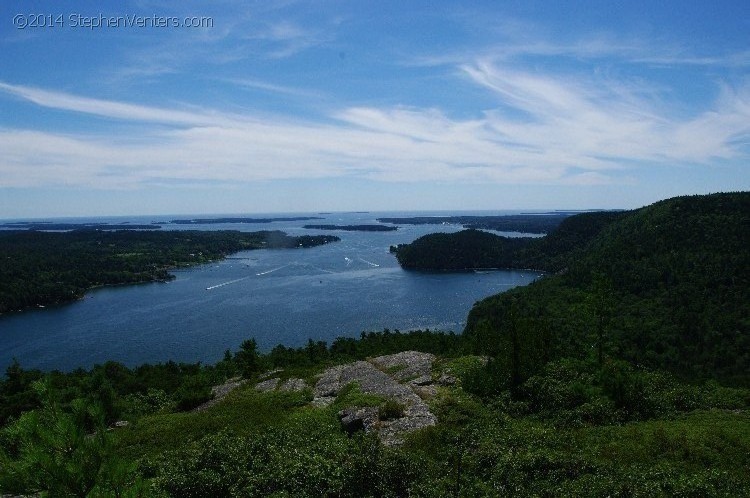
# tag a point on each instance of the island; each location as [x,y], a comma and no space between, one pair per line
[353,228]
[477,249]
[42,268]
[214,221]
[526,223]
[66,227]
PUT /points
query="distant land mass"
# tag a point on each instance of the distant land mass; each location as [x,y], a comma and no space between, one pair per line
[353,228]
[211,221]
[42,268]
[527,223]
[154,225]
[664,286]
[64,227]
[475,249]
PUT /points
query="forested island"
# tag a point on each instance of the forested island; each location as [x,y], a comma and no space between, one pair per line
[353,228]
[527,223]
[52,226]
[477,249]
[42,268]
[214,221]
[154,225]
[623,372]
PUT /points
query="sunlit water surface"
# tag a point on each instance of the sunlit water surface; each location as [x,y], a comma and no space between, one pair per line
[276,296]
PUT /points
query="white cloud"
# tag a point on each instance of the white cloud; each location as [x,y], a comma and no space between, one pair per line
[546,129]
[106,108]
[602,119]
[255,84]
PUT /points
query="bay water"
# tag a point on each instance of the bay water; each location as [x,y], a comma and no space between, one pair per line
[279,296]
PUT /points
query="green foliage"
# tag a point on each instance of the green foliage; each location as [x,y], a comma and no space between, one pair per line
[121,392]
[499,455]
[469,249]
[577,393]
[16,392]
[65,453]
[455,408]
[665,286]
[191,394]
[390,409]
[307,456]
[475,249]
[243,411]
[41,268]
[352,395]
[127,393]
[247,359]
[487,380]
[570,429]
[152,401]
[369,344]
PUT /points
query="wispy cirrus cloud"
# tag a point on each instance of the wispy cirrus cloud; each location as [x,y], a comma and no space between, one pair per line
[600,117]
[255,84]
[545,129]
[237,32]
[107,108]
[285,38]
[513,40]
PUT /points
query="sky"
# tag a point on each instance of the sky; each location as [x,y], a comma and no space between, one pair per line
[140,107]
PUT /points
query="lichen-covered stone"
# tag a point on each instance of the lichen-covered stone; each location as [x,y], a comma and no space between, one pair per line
[220,391]
[267,385]
[294,385]
[384,376]
[406,365]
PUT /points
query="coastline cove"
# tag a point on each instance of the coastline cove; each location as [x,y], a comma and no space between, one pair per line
[276,296]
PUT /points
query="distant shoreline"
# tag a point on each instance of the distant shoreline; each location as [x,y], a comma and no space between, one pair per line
[353,228]
[50,268]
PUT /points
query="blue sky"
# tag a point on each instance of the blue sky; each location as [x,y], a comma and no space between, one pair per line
[345,105]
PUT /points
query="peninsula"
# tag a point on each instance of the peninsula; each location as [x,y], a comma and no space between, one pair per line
[42,268]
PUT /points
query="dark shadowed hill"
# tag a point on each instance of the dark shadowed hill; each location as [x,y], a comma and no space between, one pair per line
[665,286]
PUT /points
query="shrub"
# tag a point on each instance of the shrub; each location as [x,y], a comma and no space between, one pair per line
[391,409]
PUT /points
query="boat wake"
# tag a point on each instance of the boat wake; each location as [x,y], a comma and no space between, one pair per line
[225,283]
[369,262]
[271,271]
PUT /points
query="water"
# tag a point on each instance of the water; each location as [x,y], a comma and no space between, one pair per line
[280,296]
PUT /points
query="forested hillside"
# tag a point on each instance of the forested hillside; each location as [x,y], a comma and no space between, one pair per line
[665,286]
[42,268]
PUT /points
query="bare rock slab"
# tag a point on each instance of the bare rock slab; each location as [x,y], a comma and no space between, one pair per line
[383,376]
